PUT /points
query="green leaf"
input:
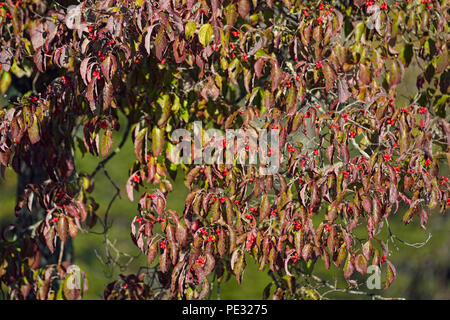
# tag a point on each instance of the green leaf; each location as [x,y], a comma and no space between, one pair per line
[5,82]
[205,34]
[190,29]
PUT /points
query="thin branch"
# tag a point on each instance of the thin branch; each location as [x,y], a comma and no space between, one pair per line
[334,288]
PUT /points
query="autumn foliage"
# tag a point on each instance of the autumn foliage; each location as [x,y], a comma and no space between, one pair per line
[326,75]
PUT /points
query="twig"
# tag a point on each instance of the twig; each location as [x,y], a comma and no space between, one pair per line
[61,253]
[358,148]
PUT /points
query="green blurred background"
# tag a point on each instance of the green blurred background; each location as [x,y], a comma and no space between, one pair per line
[423,273]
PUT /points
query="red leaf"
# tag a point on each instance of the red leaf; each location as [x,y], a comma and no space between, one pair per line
[90,93]
[39,60]
[6,59]
[160,43]
[109,67]
[276,75]
[129,188]
[361,264]
[348,267]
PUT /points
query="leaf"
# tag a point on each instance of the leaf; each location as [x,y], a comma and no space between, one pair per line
[259,67]
[367,204]
[406,54]
[396,73]
[307,251]
[160,43]
[205,34]
[84,70]
[138,143]
[348,267]
[73,229]
[164,261]
[243,8]
[367,249]
[264,208]
[157,141]
[361,264]
[231,14]
[423,218]
[205,289]
[39,60]
[174,277]
[390,275]
[190,29]
[109,67]
[6,59]
[276,75]
[106,143]
[5,81]
[343,91]
[62,228]
[364,74]
[152,252]
[61,57]
[221,244]
[129,188]
[298,240]
[90,93]
[341,255]
[412,211]
[148,37]
[50,239]
[239,266]
[108,92]
[330,76]
[181,235]
[442,62]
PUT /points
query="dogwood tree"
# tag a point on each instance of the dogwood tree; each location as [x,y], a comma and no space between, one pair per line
[323,75]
